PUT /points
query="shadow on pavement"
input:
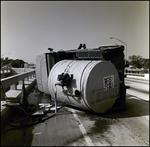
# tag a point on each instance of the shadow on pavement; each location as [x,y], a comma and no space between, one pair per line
[135,107]
[14,135]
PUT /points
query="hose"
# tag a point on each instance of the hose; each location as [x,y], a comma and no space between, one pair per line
[28,125]
[36,122]
[17,107]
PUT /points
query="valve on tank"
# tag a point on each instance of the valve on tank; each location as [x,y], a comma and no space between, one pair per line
[65,79]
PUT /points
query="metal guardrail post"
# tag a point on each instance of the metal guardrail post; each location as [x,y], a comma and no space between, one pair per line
[23,99]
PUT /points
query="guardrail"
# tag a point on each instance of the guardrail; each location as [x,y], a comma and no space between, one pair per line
[12,81]
[145,75]
[135,74]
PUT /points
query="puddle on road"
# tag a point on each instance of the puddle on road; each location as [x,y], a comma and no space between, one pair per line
[104,122]
[99,124]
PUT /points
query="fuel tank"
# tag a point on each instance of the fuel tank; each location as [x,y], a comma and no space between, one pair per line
[93,85]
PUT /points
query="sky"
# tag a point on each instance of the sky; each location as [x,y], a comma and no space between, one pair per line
[29,28]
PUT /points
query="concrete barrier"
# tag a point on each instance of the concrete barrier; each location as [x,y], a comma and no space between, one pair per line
[12,90]
[12,81]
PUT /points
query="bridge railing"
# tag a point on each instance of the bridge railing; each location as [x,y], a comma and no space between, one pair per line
[145,75]
[12,81]
[135,74]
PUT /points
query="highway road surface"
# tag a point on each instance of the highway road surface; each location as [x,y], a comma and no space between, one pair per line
[139,86]
[75,127]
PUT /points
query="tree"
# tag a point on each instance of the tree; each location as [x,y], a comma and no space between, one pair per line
[146,63]
[17,63]
[136,61]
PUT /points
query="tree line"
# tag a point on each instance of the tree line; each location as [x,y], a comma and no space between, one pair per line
[135,61]
[17,63]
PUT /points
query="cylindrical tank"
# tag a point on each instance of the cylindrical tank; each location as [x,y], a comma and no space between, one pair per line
[94,85]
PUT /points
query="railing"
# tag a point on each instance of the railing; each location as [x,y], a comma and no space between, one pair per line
[145,75]
[12,81]
[135,74]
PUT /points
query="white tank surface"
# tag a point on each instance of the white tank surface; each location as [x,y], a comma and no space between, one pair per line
[41,74]
[94,85]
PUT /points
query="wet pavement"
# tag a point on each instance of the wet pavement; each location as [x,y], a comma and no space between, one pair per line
[75,127]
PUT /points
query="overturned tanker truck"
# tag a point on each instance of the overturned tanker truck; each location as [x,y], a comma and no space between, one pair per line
[90,79]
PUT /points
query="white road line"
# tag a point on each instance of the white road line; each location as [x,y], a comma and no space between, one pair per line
[86,137]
